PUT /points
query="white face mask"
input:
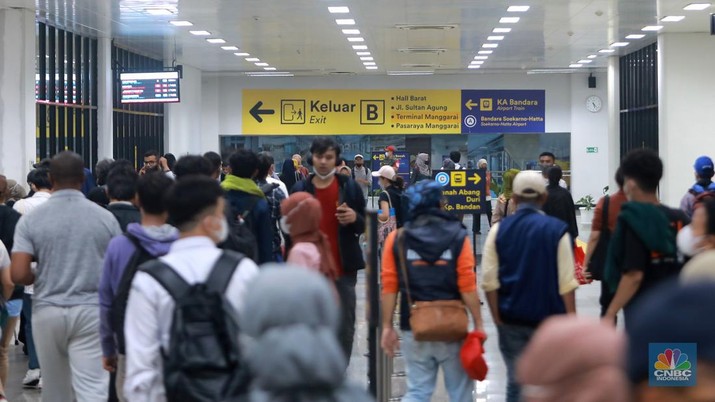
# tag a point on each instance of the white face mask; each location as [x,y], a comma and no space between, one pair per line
[222,234]
[326,176]
[285,226]
[689,244]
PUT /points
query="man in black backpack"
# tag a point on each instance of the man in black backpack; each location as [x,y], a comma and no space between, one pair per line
[248,203]
[166,361]
[274,196]
[141,243]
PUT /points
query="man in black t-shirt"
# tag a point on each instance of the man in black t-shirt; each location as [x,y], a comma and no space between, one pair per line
[643,249]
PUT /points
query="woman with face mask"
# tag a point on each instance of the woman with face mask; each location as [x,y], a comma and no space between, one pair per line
[422,170]
[697,240]
[391,196]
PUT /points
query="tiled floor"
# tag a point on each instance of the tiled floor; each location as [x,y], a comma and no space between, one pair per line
[491,390]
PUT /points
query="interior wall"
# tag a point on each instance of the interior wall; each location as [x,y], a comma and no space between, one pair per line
[182,121]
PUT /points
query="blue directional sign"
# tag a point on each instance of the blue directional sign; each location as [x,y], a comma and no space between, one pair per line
[503,111]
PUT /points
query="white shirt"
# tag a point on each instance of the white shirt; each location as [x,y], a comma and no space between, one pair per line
[26,205]
[150,310]
[4,257]
[280,184]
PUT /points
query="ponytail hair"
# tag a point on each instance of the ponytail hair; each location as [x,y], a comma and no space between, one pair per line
[398,183]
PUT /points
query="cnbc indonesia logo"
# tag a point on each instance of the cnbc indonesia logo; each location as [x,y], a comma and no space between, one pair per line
[671,365]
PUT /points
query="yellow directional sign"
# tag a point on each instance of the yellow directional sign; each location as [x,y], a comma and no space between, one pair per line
[470,104]
[475,178]
[464,190]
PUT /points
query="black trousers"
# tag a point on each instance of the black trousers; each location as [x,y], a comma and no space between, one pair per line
[477,224]
[345,285]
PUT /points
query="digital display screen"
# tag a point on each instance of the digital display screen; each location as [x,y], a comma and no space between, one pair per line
[156,87]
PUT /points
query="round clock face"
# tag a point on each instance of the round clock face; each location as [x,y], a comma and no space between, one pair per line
[593,104]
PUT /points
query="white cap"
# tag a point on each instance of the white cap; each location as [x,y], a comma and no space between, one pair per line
[386,171]
[359,156]
[529,184]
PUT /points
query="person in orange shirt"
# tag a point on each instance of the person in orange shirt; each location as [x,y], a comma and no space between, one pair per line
[440,266]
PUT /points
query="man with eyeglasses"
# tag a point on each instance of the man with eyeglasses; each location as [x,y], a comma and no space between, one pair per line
[151,162]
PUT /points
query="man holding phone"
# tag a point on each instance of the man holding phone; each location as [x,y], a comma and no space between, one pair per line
[343,221]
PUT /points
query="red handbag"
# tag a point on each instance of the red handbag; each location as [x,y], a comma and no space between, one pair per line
[472,356]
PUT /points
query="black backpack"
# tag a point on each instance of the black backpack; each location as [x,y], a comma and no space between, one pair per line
[119,303]
[241,234]
[203,362]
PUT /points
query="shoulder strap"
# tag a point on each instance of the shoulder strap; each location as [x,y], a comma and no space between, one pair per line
[252,205]
[402,257]
[604,215]
[167,278]
[140,256]
[223,270]
[389,199]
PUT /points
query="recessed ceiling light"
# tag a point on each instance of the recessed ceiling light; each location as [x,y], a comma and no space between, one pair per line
[158,11]
[592,56]
[355,39]
[652,28]
[181,23]
[351,31]
[242,54]
[270,74]
[696,6]
[367,58]
[606,51]
[229,47]
[362,53]
[215,40]
[495,37]
[585,61]
[481,57]
[474,66]
[371,67]
[410,72]
[359,47]
[262,64]
[485,52]
[490,45]
[345,22]
[369,63]
[635,36]
[501,30]
[269,68]
[517,9]
[253,59]
[509,20]
[575,65]
[200,33]
[673,18]
[619,44]
[477,62]
[338,10]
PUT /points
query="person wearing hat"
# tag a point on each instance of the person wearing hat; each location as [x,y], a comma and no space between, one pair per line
[704,172]
[436,253]
[528,272]
[390,157]
[390,201]
[361,174]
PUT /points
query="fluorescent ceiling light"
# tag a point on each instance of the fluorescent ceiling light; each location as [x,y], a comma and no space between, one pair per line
[585,61]
[367,58]
[697,6]
[262,64]
[606,51]
[592,56]
[359,47]
[229,47]
[369,63]
[242,54]
[200,33]
[181,23]
[253,59]
[509,20]
[652,28]
[362,53]
[355,39]
[501,30]
[158,11]
[345,22]
[477,62]
[351,31]
[269,68]
[474,66]
[673,18]
[485,52]
[495,37]
[490,45]
[410,72]
[575,65]
[215,40]
[635,36]
[371,67]
[338,10]
[269,74]
[517,9]
[481,57]
[619,44]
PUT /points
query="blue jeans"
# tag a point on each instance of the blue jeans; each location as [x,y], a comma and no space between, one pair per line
[512,341]
[31,351]
[423,359]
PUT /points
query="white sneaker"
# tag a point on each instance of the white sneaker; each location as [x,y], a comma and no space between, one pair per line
[32,378]
[39,384]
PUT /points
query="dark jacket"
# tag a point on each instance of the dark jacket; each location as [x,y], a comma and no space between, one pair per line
[349,236]
[259,221]
[125,214]
[8,221]
[560,205]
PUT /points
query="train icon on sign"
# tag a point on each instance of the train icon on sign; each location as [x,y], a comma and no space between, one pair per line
[442,178]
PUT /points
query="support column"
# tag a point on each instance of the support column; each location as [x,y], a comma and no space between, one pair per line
[105,104]
[17,92]
[614,120]
[182,121]
[685,106]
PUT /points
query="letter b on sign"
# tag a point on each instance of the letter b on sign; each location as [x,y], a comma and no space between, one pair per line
[372,112]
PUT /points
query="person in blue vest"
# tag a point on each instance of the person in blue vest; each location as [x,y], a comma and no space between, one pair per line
[528,272]
[704,172]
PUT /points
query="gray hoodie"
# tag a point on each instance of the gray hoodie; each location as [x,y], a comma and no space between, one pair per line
[292,318]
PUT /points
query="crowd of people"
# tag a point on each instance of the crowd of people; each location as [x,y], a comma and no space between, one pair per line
[202,280]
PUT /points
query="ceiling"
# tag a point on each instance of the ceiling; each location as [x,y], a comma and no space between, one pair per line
[302,37]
